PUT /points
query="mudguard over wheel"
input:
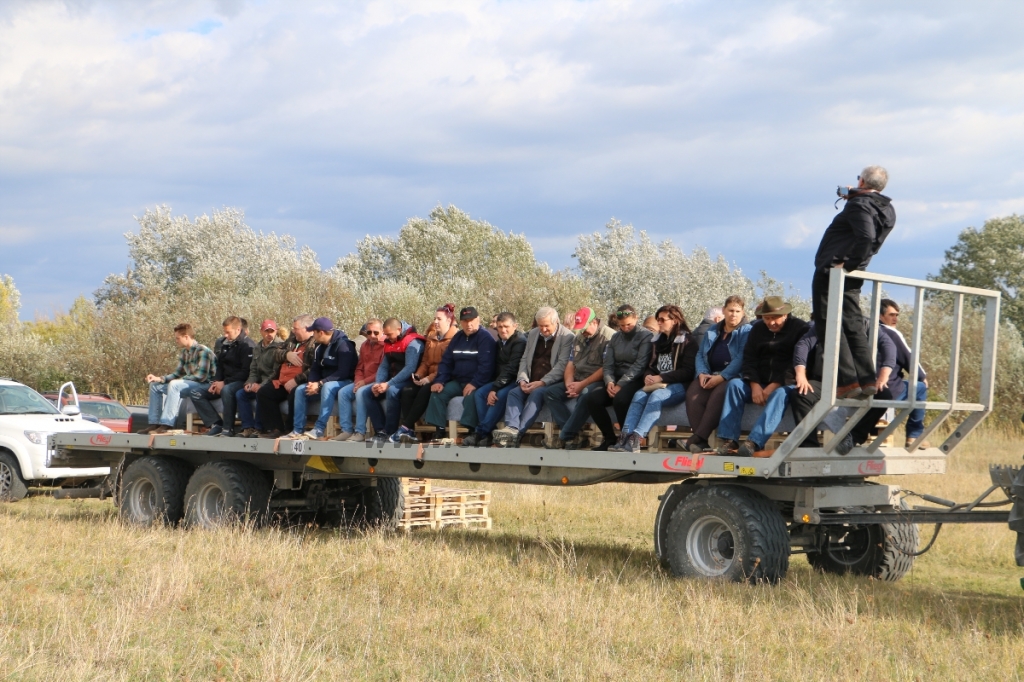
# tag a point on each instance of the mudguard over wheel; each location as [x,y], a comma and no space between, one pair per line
[879,550]
[224,493]
[384,503]
[675,494]
[153,491]
[728,532]
[12,485]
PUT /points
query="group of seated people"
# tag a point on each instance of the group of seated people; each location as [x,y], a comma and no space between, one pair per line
[392,377]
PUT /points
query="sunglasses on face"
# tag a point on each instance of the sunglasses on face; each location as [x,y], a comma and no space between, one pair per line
[624,313]
[664,320]
[372,333]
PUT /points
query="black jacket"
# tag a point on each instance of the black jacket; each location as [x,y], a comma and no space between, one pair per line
[334,360]
[768,356]
[234,359]
[683,348]
[856,233]
[509,354]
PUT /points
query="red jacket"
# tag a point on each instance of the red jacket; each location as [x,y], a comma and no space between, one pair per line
[370,355]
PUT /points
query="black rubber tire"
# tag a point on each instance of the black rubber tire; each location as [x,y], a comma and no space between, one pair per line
[12,484]
[675,494]
[226,493]
[733,533]
[878,550]
[153,491]
[384,503]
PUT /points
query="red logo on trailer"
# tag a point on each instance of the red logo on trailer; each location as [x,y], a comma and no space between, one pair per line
[683,463]
[871,467]
[100,439]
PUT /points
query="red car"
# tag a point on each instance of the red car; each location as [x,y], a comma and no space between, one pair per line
[104,408]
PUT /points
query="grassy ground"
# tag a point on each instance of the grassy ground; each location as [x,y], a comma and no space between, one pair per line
[565,587]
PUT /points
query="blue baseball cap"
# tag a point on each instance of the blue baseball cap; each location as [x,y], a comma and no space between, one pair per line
[321,324]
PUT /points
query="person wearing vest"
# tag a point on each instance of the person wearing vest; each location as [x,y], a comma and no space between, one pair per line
[543,364]
[293,361]
[583,374]
[669,373]
[403,349]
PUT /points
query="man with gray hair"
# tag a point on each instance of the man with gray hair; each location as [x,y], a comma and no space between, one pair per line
[547,352]
[713,315]
[854,237]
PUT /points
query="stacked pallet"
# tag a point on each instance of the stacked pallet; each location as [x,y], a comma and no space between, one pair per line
[427,506]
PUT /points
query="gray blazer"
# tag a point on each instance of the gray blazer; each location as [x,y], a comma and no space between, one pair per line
[559,355]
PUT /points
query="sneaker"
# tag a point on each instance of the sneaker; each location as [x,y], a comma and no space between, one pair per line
[485,441]
[229,433]
[471,439]
[215,430]
[748,449]
[632,443]
[848,391]
[728,447]
[845,445]
[249,433]
[294,435]
[620,444]
[344,435]
[357,438]
[505,436]
[313,434]
[407,436]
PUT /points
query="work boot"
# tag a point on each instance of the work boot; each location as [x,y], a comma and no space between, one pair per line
[748,449]
[632,443]
[845,445]
[848,391]
[249,433]
[921,446]
[728,447]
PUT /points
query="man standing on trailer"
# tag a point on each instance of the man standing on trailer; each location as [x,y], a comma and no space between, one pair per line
[196,367]
[855,235]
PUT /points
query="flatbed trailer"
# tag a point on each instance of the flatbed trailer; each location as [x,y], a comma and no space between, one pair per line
[737,518]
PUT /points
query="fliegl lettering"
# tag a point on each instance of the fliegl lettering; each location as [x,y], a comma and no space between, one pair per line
[871,467]
[683,463]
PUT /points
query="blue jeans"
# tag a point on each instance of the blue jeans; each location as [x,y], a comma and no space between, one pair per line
[645,410]
[915,423]
[488,416]
[521,409]
[348,396]
[246,410]
[202,400]
[327,396]
[385,414]
[737,395]
[165,399]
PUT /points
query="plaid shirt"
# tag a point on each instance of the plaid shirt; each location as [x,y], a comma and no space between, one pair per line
[197,363]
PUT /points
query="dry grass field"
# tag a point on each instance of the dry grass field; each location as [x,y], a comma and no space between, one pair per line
[565,588]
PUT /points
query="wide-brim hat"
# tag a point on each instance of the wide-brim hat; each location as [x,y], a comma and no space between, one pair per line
[773,305]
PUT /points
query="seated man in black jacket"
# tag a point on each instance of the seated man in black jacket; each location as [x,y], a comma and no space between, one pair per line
[766,378]
[484,407]
[234,356]
[332,369]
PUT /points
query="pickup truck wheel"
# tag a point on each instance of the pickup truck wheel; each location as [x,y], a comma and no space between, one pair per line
[12,485]
[225,493]
[728,532]
[153,491]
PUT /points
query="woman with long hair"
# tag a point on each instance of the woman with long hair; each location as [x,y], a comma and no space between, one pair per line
[416,396]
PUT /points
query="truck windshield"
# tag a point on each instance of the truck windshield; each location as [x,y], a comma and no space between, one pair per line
[23,400]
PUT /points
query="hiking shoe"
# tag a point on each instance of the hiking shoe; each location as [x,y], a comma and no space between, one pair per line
[845,445]
[344,435]
[632,443]
[249,433]
[505,436]
[471,439]
[620,444]
[748,449]
[357,438]
[848,391]
[921,446]
[729,447]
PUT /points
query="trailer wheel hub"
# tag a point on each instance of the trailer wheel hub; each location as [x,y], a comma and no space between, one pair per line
[710,545]
[211,504]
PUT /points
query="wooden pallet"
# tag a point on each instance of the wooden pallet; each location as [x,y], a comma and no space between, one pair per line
[430,507]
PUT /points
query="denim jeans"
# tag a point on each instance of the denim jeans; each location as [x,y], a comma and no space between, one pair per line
[915,423]
[385,413]
[570,414]
[348,396]
[246,402]
[202,400]
[483,417]
[521,409]
[737,395]
[645,410]
[165,399]
[327,395]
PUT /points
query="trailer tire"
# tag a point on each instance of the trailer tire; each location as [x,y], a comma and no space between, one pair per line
[879,550]
[728,532]
[226,493]
[153,491]
[384,503]
[12,485]
[675,494]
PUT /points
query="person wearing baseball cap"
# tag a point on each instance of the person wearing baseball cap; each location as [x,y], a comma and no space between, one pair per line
[261,370]
[332,368]
[582,374]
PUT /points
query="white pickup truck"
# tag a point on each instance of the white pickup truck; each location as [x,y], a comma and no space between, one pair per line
[26,420]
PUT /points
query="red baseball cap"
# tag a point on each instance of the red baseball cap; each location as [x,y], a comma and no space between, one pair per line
[268,324]
[583,318]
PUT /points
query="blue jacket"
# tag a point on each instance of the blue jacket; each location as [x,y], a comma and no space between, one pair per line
[903,357]
[334,360]
[468,359]
[737,342]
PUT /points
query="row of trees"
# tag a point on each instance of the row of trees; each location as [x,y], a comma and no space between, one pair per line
[204,269]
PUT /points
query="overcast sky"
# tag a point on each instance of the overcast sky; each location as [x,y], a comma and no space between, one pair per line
[721,124]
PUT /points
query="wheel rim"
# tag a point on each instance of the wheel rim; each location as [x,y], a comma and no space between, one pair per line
[211,505]
[144,502]
[710,546]
[854,548]
[6,479]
